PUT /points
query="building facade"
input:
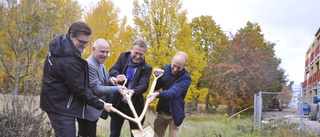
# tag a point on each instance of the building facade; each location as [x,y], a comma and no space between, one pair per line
[312,73]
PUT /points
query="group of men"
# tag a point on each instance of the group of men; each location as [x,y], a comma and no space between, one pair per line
[75,89]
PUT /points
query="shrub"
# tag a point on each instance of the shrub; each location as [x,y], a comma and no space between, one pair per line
[22,118]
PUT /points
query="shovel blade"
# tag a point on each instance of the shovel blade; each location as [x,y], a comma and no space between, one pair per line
[146,132]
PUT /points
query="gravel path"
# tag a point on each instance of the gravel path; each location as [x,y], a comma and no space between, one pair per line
[292,116]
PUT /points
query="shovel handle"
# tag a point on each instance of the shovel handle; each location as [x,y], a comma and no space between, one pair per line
[137,119]
[124,84]
[120,113]
[150,92]
[133,110]
[155,81]
[129,103]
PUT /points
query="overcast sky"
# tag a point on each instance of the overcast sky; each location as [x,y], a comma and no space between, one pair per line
[291,24]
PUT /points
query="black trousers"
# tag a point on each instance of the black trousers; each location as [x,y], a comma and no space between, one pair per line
[87,128]
[64,126]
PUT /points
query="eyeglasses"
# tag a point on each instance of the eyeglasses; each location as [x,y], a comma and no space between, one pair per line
[83,42]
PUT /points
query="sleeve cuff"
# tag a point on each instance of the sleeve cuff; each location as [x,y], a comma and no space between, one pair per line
[115,89]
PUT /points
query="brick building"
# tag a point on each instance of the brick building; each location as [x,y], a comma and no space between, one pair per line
[312,72]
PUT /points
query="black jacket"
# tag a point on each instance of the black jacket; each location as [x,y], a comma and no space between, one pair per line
[65,80]
[140,82]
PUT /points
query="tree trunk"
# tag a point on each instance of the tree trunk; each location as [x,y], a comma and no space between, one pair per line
[207,101]
[229,110]
[16,89]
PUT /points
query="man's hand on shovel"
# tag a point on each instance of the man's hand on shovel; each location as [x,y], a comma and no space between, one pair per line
[121,78]
[153,96]
[113,80]
[122,90]
[156,72]
[107,106]
[130,93]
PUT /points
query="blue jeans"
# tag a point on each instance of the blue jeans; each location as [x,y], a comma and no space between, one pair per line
[64,126]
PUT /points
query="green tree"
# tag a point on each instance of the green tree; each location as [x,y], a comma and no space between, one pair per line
[209,36]
[210,40]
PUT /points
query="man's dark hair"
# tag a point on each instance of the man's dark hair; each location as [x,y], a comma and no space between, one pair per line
[79,28]
[140,43]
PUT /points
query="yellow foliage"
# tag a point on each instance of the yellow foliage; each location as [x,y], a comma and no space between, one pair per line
[164,27]
[26,28]
[66,12]
[104,21]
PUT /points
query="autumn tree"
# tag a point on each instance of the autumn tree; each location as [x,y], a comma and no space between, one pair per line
[210,40]
[285,97]
[26,27]
[67,12]
[163,25]
[209,36]
[105,23]
[247,65]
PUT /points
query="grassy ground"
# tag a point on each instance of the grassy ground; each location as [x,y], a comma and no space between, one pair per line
[203,124]
[215,124]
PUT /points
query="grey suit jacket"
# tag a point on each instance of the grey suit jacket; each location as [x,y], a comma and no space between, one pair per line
[98,82]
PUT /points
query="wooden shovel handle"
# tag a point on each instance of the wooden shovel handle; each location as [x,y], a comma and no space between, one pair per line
[150,92]
[120,113]
[137,119]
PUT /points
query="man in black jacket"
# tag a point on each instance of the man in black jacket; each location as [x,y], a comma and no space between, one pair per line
[131,66]
[65,91]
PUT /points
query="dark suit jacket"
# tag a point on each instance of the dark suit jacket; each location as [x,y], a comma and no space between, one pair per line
[140,82]
[99,84]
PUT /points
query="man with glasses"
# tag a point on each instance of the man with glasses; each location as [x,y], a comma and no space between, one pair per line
[174,82]
[130,66]
[65,91]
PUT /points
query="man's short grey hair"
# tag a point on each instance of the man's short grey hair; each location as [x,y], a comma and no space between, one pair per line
[182,53]
[96,43]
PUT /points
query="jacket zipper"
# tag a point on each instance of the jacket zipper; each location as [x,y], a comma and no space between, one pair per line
[83,110]
[70,101]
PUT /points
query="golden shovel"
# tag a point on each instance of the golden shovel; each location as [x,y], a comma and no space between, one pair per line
[147,131]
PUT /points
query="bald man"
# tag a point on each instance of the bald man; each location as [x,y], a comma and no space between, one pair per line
[174,83]
[99,83]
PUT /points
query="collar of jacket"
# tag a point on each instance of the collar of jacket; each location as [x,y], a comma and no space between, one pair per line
[91,57]
[127,54]
[62,46]
[167,76]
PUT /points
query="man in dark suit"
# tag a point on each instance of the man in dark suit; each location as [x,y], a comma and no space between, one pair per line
[131,66]
[99,83]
